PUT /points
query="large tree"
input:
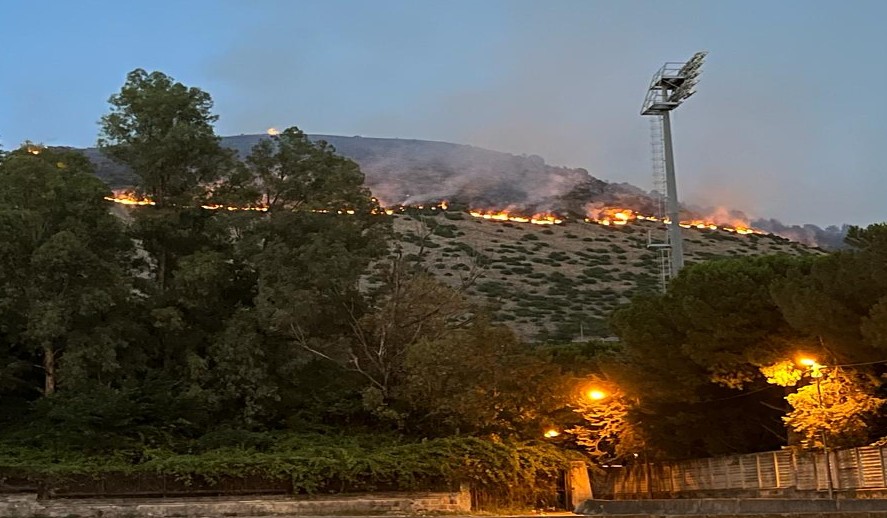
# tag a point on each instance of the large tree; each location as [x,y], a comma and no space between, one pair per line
[163,131]
[63,268]
[702,342]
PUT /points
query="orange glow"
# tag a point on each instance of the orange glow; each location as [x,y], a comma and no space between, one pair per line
[273,132]
[128,198]
[551,433]
[621,216]
[612,216]
[596,395]
[808,362]
[505,215]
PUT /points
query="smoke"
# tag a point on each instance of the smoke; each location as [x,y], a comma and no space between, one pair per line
[829,238]
[766,131]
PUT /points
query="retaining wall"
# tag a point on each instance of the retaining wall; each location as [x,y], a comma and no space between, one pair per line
[27,505]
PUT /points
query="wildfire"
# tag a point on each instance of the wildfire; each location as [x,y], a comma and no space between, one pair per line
[619,216]
[536,219]
[128,198]
[612,216]
[273,132]
[34,150]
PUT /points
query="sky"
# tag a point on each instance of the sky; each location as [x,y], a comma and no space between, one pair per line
[787,121]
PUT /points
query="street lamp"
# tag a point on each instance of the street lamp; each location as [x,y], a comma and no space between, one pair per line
[597,395]
[815,371]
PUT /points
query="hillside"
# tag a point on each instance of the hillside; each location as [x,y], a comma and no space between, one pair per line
[559,281]
[554,281]
[414,172]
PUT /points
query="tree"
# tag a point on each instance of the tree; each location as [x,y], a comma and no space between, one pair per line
[837,401]
[63,267]
[163,131]
[408,308]
[840,405]
[609,430]
[481,379]
[289,171]
[842,298]
[701,342]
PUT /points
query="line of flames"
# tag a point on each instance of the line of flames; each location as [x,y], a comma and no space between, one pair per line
[131,199]
[535,219]
[609,217]
[606,217]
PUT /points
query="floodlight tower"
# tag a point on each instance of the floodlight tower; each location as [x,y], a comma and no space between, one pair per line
[670,87]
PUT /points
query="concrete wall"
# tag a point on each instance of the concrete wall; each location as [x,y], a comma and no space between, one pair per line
[26,505]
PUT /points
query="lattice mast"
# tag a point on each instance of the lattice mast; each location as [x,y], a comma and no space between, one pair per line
[671,85]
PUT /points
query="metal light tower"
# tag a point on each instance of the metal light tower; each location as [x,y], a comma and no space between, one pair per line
[670,87]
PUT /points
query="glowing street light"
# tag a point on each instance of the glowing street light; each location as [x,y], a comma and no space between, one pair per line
[596,395]
[815,370]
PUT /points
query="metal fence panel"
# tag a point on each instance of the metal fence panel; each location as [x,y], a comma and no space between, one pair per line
[871,463]
[858,468]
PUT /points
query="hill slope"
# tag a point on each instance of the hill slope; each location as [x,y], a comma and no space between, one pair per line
[412,172]
[559,282]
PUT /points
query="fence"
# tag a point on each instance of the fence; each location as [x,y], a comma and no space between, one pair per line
[769,473]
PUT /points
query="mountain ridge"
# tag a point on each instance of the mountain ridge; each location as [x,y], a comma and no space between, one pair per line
[414,172]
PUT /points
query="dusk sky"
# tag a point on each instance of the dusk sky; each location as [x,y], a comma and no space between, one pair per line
[787,122]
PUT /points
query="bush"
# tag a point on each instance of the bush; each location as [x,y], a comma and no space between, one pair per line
[316,462]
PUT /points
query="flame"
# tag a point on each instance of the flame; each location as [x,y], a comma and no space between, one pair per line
[128,198]
[125,197]
[273,132]
[542,218]
[612,216]
[720,220]
[34,150]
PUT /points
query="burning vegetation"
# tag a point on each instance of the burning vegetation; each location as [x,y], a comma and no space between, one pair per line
[609,216]
[620,216]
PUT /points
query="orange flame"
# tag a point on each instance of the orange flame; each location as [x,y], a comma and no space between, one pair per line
[542,218]
[620,216]
[128,198]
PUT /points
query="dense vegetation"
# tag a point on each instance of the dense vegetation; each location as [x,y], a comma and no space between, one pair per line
[179,339]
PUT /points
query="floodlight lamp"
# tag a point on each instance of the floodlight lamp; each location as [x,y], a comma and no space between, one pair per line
[672,84]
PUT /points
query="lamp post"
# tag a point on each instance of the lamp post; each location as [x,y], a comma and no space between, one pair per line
[815,370]
[597,395]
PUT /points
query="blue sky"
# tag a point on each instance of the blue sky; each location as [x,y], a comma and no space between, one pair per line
[787,123]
